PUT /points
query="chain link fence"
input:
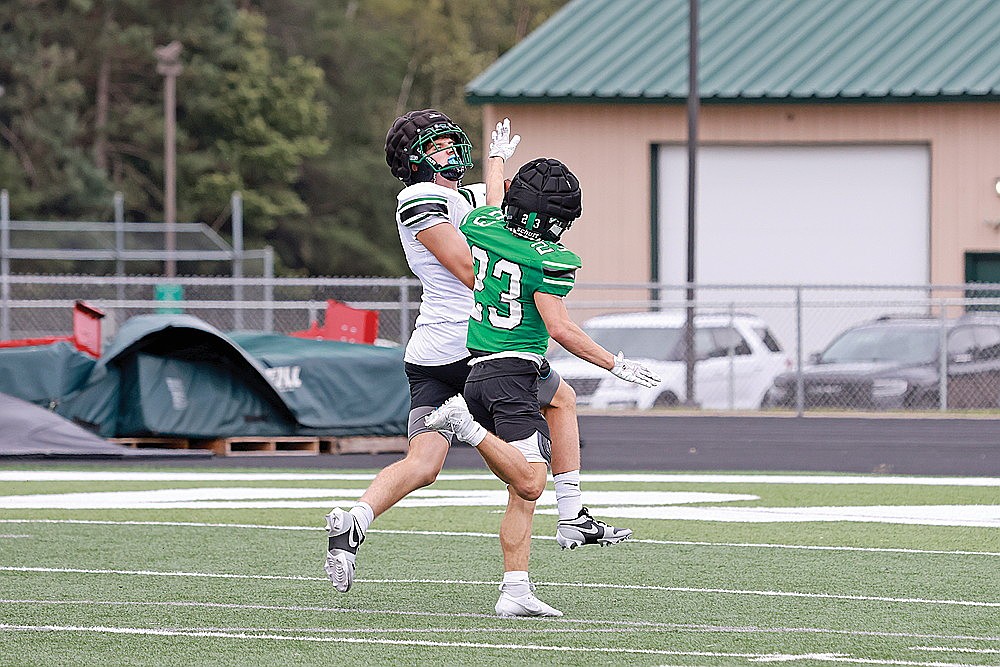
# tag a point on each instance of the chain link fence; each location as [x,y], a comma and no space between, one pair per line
[40,305]
[787,348]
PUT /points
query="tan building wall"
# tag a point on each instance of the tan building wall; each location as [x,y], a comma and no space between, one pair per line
[608,147]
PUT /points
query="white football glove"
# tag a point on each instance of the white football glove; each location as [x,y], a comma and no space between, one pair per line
[502,145]
[633,371]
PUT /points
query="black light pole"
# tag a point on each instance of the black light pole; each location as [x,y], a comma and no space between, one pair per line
[692,149]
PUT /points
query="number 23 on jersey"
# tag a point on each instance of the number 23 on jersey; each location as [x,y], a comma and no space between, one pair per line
[509,314]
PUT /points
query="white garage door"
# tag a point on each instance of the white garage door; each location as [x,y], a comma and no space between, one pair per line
[798,214]
[812,215]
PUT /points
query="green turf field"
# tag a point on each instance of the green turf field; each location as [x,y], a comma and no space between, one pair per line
[127,566]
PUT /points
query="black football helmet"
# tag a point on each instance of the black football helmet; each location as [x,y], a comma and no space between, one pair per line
[542,201]
[409,143]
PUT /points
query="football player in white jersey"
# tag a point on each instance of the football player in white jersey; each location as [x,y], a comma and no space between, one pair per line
[430,154]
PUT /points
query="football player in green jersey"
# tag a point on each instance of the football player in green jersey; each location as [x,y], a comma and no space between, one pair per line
[522,273]
[430,154]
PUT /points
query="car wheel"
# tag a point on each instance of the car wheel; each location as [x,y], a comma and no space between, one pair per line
[666,400]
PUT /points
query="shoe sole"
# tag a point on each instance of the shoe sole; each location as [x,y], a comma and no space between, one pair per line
[440,423]
[441,426]
[603,543]
[505,610]
[527,615]
[339,569]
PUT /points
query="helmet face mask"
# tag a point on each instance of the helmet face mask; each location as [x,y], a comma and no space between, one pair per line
[422,151]
[411,143]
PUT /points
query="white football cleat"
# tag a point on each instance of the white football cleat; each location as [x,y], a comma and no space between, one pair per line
[509,606]
[342,550]
[585,529]
[454,416]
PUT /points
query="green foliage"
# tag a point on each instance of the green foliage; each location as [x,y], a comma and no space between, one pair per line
[41,125]
[251,123]
[286,101]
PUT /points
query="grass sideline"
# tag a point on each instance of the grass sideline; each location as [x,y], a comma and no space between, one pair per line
[229,572]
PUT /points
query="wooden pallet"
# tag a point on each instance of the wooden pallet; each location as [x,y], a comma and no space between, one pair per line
[364,444]
[263,445]
[276,445]
[154,442]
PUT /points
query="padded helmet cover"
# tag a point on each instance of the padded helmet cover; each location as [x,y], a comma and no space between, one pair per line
[406,138]
[544,186]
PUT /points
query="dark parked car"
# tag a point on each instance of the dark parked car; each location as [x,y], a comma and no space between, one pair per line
[895,363]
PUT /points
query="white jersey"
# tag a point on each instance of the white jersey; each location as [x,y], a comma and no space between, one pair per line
[440,334]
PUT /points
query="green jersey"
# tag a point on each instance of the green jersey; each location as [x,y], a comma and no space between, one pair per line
[509,270]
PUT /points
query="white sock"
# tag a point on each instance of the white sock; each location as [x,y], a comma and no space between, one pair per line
[364,515]
[516,583]
[473,434]
[568,498]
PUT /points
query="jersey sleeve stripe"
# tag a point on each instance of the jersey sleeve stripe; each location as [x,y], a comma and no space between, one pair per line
[568,272]
[413,213]
[562,283]
[422,200]
[557,265]
[422,218]
[419,199]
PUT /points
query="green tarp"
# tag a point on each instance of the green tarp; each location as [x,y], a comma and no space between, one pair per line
[335,388]
[195,399]
[175,375]
[43,374]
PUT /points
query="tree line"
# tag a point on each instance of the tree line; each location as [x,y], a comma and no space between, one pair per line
[285,101]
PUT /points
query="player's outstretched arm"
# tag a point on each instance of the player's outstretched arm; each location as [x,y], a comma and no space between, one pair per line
[576,341]
[566,332]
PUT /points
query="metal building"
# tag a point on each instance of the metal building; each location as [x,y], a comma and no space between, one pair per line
[841,141]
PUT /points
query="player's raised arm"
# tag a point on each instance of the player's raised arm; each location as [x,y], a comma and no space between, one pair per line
[502,147]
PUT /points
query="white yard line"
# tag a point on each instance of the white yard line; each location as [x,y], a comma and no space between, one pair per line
[604,650]
[724,591]
[596,625]
[460,582]
[652,478]
[153,573]
[358,640]
[445,533]
[189,524]
[955,649]
[830,657]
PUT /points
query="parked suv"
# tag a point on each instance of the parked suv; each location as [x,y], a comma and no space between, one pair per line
[737,358]
[895,363]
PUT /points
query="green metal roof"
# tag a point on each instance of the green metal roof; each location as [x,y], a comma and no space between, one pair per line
[788,50]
